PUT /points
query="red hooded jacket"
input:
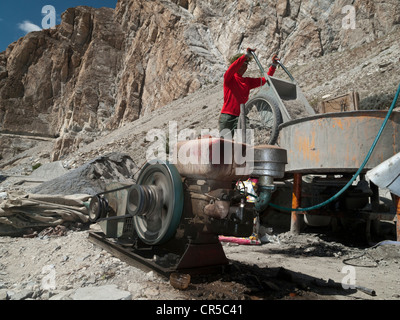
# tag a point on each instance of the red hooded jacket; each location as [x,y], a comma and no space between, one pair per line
[237,88]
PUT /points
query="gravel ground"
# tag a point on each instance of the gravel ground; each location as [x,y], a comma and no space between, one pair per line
[62,264]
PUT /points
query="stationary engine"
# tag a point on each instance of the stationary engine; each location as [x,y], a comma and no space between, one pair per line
[179,210]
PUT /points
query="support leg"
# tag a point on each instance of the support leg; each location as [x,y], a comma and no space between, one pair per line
[374,197]
[397,204]
[295,224]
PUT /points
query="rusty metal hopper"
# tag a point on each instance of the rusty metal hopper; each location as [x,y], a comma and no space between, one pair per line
[338,142]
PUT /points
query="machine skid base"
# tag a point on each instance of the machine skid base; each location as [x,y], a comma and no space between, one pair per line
[196,259]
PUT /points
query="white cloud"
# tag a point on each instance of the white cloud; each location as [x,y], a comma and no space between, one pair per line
[28,26]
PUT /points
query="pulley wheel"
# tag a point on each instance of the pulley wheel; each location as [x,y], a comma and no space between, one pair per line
[97,208]
[264,117]
[159,224]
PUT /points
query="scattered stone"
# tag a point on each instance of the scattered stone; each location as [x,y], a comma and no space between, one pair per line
[135,289]
[46,295]
[151,293]
[54,231]
[107,292]
[3,294]
[65,295]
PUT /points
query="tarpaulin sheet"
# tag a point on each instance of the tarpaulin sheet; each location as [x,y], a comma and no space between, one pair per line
[22,212]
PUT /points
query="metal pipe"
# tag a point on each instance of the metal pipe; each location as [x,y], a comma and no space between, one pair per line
[286,70]
[263,199]
[242,123]
[258,63]
[369,291]
[295,223]
[263,71]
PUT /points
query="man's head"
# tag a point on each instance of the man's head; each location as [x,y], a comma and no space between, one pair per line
[243,68]
[234,58]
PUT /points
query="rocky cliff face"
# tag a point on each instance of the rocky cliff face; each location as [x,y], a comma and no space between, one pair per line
[102,68]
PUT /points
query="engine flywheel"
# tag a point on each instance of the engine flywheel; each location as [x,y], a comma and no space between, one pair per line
[156,202]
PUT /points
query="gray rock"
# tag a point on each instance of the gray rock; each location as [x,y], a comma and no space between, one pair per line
[92,177]
[22,295]
[3,294]
[65,295]
[48,171]
[107,292]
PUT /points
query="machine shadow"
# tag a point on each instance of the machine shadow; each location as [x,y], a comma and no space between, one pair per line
[241,281]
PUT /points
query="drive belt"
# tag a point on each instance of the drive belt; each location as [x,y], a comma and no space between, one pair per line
[102,204]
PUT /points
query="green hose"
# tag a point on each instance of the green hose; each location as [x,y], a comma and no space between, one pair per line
[357,173]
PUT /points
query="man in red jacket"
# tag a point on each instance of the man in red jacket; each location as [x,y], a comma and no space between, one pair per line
[237,89]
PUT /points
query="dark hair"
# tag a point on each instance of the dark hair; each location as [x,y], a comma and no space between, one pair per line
[235,57]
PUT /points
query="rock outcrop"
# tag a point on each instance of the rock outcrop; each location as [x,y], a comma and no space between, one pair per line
[102,68]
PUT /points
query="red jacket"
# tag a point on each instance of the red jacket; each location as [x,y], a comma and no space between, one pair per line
[237,88]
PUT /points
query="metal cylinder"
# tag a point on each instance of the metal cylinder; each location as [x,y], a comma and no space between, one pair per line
[339,142]
[269,161]
[211,159]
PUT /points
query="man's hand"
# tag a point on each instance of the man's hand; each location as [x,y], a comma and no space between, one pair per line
[248,53]
[275,59]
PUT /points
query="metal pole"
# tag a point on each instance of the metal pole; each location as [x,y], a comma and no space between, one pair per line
[295,223]
[242,120]
[286,70]
[259,64]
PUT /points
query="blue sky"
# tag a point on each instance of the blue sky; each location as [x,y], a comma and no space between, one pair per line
[17,17]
